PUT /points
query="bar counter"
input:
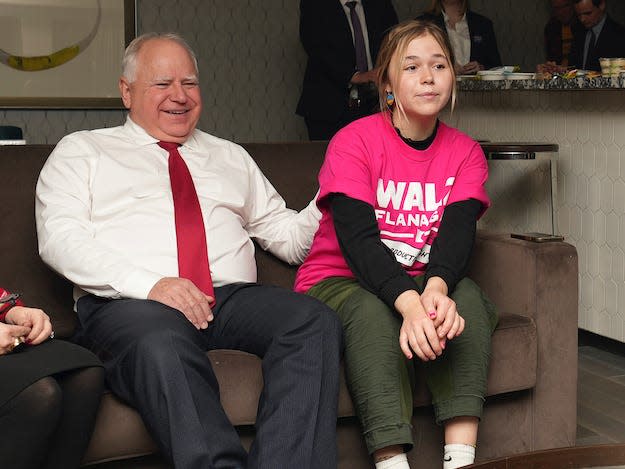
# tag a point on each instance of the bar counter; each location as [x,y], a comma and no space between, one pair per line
[554,84]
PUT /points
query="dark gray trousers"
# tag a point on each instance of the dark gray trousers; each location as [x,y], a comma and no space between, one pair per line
[156,361]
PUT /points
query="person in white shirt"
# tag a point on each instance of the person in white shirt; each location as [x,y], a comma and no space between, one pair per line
[472,36]
[106,221]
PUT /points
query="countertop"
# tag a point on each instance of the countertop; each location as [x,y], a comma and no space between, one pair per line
[555,83]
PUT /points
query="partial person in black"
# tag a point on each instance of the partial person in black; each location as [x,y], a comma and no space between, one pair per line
[49,391]
[560,31]
[338,87]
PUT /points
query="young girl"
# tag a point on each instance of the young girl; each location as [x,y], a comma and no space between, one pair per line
[400,195]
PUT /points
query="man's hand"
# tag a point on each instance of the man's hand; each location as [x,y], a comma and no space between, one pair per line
[360,78]
[470,68]
[448,322]
[183,295]
[35,319]
[417,332]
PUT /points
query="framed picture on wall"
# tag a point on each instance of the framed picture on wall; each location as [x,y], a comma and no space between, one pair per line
[63,54]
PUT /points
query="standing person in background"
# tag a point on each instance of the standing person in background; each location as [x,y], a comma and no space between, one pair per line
[341,39]
[471,35]
[560,32]
[604,37]
[49,391]
[400,194]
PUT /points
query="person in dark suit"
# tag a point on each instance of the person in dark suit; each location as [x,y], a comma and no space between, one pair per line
[604,37]
[335,91]
[472,35]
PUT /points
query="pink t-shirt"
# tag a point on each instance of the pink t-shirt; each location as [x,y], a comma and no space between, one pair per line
[409,190]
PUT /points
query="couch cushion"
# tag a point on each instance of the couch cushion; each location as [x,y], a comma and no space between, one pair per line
[513,368]
[119,431]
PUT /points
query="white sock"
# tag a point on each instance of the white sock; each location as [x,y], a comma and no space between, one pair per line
[458,455]
[399,461]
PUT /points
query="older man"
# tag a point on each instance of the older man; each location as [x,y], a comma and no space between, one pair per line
[127,213]
[604,37]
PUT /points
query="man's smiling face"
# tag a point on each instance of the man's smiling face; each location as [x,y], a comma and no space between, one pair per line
[164,96]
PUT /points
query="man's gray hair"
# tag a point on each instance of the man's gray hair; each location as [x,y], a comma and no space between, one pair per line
[129,62]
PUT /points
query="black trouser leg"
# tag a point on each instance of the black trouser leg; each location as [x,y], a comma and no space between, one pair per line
[27,422]
[82,390]
[298,339]
[156,361]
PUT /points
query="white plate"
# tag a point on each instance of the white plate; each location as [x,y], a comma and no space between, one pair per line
[465,77]
[520,76]
[505,68]
[492,77]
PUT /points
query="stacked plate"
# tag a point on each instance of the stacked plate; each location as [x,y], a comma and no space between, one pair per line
[520,76]
[491,74]
[504,73]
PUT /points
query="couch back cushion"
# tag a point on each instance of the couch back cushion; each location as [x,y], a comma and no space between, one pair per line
[291,167]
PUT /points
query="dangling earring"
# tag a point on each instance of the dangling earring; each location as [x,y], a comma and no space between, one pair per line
[390,99]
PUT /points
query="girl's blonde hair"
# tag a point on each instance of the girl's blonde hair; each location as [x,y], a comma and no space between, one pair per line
[396,43]
[436,7]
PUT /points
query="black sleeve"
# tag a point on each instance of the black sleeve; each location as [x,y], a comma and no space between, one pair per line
[372,263]
[451,250]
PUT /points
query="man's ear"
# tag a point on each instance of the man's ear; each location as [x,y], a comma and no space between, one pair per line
[124,91]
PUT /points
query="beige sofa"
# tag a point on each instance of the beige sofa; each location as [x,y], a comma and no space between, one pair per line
[533,375]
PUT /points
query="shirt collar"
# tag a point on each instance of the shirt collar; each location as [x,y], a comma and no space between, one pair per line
[138,135]
[446,17]
[599,26]
[343,2]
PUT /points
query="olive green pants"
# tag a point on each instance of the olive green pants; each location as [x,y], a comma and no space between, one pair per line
[380,378]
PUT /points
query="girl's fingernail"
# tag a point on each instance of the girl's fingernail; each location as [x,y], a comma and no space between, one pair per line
[432,314]
[443,344]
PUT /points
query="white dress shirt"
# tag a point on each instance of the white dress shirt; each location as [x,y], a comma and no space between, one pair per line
[105,214]
[363,23]
[460,39]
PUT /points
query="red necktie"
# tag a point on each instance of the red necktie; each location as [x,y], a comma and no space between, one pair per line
[190,232]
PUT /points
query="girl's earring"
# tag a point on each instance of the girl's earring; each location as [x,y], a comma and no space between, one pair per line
[390,99]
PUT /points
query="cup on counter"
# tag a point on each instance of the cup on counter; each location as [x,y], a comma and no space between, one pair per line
[612,66]
[617,65]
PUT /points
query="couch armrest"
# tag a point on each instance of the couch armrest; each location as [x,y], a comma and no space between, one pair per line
[539,280]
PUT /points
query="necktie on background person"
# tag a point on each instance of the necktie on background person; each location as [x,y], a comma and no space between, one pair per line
[359,39]
[190,232]
[590,48]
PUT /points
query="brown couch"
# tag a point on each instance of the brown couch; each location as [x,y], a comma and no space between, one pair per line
[533,375]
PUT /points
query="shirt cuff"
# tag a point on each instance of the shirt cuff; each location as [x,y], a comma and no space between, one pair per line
[395,287]
[448,277]
[138,284]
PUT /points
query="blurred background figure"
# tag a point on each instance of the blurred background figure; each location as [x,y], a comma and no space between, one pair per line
[471,35]
[604,37]
[341,39]
[561,31]
[562,27]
